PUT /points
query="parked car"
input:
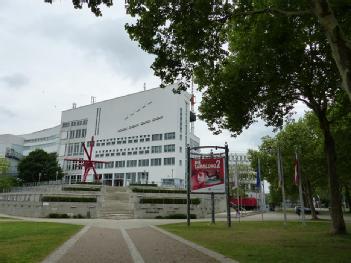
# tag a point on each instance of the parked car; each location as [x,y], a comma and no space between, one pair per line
[306,209]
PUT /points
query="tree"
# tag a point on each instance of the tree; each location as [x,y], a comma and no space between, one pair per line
[215,41]
[215,15]
[4,165]
[6,182]
[39,162]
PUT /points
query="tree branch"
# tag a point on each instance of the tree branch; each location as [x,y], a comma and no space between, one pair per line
[272,10]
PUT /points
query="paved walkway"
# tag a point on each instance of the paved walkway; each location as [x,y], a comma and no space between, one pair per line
[136,240]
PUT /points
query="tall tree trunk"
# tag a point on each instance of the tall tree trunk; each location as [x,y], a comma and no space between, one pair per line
[348,197]
[340,46]
[338,223]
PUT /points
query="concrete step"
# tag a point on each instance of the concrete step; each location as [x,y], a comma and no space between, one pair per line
[116,216]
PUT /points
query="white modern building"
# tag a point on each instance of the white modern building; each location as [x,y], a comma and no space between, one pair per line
[142,137]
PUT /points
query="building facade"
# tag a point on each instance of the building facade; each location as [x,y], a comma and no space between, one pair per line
[142,137]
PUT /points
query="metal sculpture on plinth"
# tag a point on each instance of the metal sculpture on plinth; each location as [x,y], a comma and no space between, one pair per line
[88,164]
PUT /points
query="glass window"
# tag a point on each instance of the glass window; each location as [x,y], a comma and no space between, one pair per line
[120,164]
[78,133]
[169,148]
[156,162]
[84,133]
[169,161]
[170,136]
[71,134]
[143,162]
[157,137]
[109,165]
[131,163]
[156,149]
[76,149]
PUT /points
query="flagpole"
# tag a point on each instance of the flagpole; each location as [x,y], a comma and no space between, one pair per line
[281,174]
[259,174]
[237,186]
[298,175]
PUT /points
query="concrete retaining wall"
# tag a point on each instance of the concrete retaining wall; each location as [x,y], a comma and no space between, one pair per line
[153,210]
[30,205]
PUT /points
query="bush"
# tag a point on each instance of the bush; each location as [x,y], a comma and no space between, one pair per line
[176,216]
[91,183]
[142,190]
[78,216]
[81,189]
[57,215]
[194,201]
[68,199]
[150,185]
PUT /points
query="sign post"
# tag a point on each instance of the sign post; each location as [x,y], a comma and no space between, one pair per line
[208,174]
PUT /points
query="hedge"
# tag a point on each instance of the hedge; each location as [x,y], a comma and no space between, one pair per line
[194,201]
[81,189]
[68,199]
[176,216]
[56,215]
[91,183]
[151,185]
[142,190]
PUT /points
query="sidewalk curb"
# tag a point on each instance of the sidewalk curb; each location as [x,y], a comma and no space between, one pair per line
[62,250]
[213,254]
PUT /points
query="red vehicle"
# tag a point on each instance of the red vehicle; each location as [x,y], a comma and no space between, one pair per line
[246,202]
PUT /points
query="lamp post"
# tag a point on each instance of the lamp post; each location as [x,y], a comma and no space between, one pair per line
[39,177]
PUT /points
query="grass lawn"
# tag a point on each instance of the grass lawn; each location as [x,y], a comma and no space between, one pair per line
[269,241]
[31,241]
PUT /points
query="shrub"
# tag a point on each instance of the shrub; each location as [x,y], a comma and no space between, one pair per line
[68,199]
[81,189]
[150,185]
[142,190]
[194,201]
[57,215]
[176,216]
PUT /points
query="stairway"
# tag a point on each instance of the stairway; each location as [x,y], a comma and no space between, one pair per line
[115,204]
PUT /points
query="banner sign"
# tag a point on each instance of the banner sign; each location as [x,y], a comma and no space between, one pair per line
[207,175]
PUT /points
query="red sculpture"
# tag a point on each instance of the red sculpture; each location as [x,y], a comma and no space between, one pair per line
[89,163]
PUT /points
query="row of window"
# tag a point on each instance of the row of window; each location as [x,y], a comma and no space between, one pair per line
[73,149]
[134,151]
[138,163]
[136,139]
[73,134]
[75,123]
[42,139]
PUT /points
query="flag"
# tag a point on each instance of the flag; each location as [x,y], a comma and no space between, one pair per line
[296,174]
[258,178]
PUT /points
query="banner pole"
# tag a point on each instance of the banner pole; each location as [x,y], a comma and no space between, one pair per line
[213,208]
[188,188]
[227,185]
[282,183]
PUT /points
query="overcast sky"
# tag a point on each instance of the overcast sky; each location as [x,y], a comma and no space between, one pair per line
[54,55]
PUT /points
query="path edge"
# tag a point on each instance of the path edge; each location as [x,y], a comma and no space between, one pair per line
[57,254]
[206,251]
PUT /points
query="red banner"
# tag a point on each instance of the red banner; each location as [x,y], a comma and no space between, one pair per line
[207,175]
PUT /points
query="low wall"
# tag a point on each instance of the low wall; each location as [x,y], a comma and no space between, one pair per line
[153,210]
[30,205]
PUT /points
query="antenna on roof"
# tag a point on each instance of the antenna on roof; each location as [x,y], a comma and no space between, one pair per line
[144,86]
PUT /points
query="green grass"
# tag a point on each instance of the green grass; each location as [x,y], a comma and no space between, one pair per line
[30,241]
[269,241]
